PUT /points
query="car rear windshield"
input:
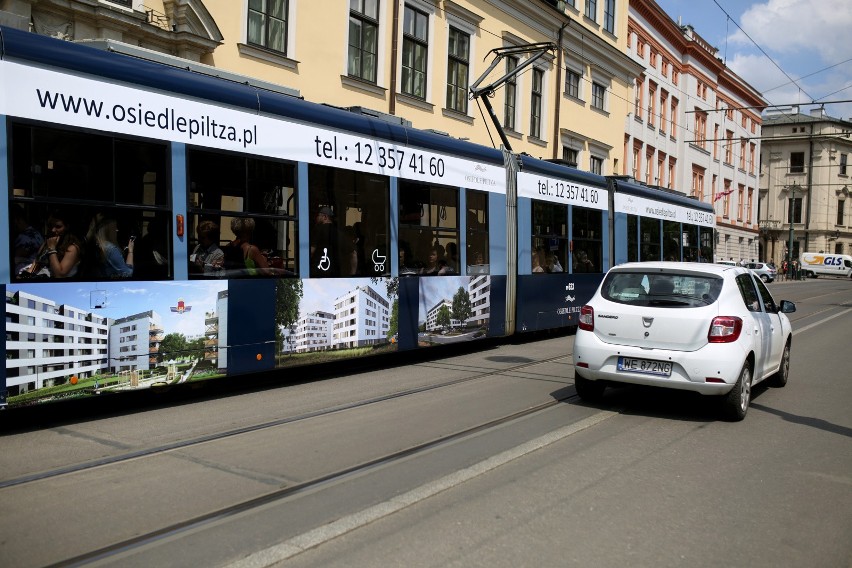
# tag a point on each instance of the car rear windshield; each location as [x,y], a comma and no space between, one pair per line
[668,289]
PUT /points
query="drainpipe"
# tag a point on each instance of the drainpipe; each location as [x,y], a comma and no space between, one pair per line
[394,49]
[558,92]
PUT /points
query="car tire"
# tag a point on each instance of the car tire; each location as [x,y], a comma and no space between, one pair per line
[588,390]
[735,403]
[779,379]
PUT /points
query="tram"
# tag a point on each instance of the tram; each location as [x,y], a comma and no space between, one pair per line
[169,226]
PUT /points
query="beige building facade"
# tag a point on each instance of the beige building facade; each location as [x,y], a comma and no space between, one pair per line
[694,126]
[805,184]
[410,61]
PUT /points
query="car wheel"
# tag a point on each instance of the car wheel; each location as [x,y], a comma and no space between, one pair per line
[779,379]
[735,403]
[588,390]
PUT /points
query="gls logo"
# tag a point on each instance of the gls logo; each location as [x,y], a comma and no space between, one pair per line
[833,261]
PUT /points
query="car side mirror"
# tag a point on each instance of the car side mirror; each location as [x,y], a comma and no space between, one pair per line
[787,307]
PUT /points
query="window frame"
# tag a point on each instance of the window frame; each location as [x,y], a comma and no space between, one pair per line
[365,21]
[416,43]
[536,102]
[510,101]
[458,69]
[265,17]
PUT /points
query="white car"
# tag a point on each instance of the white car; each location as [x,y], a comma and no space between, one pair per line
[702,327]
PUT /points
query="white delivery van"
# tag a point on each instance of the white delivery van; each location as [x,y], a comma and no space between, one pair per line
[823,264]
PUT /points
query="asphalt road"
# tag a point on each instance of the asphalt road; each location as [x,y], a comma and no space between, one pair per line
[481,459]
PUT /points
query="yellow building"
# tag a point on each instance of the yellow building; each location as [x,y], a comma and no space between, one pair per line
[412,61]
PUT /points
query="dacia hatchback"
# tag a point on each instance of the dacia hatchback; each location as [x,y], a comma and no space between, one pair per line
[707,328]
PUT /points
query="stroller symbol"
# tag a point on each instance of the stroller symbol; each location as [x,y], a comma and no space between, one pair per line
[325,262]
[378,261]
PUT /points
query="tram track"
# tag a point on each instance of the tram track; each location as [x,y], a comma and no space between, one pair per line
[176,530]
[199,440]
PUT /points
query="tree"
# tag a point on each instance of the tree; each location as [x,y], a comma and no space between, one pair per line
[173,346]
[443,318]
[393,326]
[461,306]
[288,293]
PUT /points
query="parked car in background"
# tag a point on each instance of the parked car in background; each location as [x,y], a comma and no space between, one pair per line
[727,262]
[764,271]
[707,328]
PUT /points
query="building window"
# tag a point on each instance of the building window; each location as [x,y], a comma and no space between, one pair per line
[843,158]
[458,52]
[664,101]
[716,142]
[596,165]
[363,39]
[511,94]
[729,146]
[598,92]
[742,153]
[572,84]
[267,24]
[740,202]
[672,172]
[637,103]
[840,207]
[569,155]
[726,204]
[797,162]
[794,210]
[609,16]
[592,10]
[698,183]
[535,103]
[700,128]
[415,30]
[673,130]
[749,205]
[652,104]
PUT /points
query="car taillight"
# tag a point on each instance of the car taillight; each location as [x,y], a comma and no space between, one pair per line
[724,329]
[587,318]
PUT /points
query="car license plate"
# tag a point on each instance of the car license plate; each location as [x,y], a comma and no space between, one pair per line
[633,365]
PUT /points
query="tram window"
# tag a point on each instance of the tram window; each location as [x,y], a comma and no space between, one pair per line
[62,164]
[106,191]
[705,238]
[549,237]
[476,243]
[428,225]
[650,233]
[690,243]
[632,238]
[102,235]
[671,241]
[587,240]
[349,224]
[236,199]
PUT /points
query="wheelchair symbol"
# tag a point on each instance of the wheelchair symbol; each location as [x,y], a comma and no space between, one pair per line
[378,261]
[325,262]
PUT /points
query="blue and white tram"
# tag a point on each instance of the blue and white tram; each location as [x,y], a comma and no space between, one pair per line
[167,226]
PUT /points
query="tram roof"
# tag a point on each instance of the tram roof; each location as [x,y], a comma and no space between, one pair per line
[54,53]
[561,171]
[658,194]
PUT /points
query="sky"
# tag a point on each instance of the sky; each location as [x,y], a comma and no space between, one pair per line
[791,51]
